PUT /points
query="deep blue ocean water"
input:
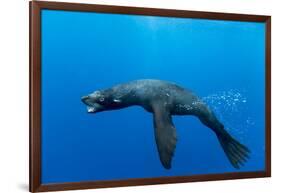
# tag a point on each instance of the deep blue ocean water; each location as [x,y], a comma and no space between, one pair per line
[221,61]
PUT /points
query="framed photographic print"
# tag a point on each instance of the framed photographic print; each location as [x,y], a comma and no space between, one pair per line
[123,96]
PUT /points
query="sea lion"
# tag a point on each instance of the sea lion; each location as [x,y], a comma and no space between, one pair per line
[164,99]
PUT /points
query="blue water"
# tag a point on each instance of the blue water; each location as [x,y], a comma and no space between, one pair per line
[221,61]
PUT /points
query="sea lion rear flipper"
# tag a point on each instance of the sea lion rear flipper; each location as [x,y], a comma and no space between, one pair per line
[236,152]
[165,134]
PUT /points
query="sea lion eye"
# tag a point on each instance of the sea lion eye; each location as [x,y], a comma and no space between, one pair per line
[101,99]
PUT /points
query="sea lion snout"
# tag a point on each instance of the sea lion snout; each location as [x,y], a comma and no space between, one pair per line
[93,97]
[86,100]
[83,98]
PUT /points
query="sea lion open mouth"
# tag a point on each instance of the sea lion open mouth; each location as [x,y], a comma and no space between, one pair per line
[92,107]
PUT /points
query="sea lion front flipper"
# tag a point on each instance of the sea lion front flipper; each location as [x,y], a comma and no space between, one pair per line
[165,134]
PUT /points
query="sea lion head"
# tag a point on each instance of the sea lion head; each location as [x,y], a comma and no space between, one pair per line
[100,101]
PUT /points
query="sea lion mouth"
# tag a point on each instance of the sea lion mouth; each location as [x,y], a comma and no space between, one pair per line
[92,107]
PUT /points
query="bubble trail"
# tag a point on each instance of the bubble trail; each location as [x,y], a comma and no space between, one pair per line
[230,107]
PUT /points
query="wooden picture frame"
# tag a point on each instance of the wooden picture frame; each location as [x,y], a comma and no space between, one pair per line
[35,94]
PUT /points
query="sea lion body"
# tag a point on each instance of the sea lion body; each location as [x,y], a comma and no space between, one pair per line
[178,101]
[164,99]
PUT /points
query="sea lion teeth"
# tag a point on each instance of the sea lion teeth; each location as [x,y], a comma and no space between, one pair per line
[91,109]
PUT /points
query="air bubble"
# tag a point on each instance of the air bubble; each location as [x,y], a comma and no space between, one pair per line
[229,107]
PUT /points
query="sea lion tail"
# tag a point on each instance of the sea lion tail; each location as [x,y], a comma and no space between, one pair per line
[236,152]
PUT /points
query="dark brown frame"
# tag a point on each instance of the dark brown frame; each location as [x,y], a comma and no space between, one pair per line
[35,94]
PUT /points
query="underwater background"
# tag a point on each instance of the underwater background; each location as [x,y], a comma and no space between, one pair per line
[223,62]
